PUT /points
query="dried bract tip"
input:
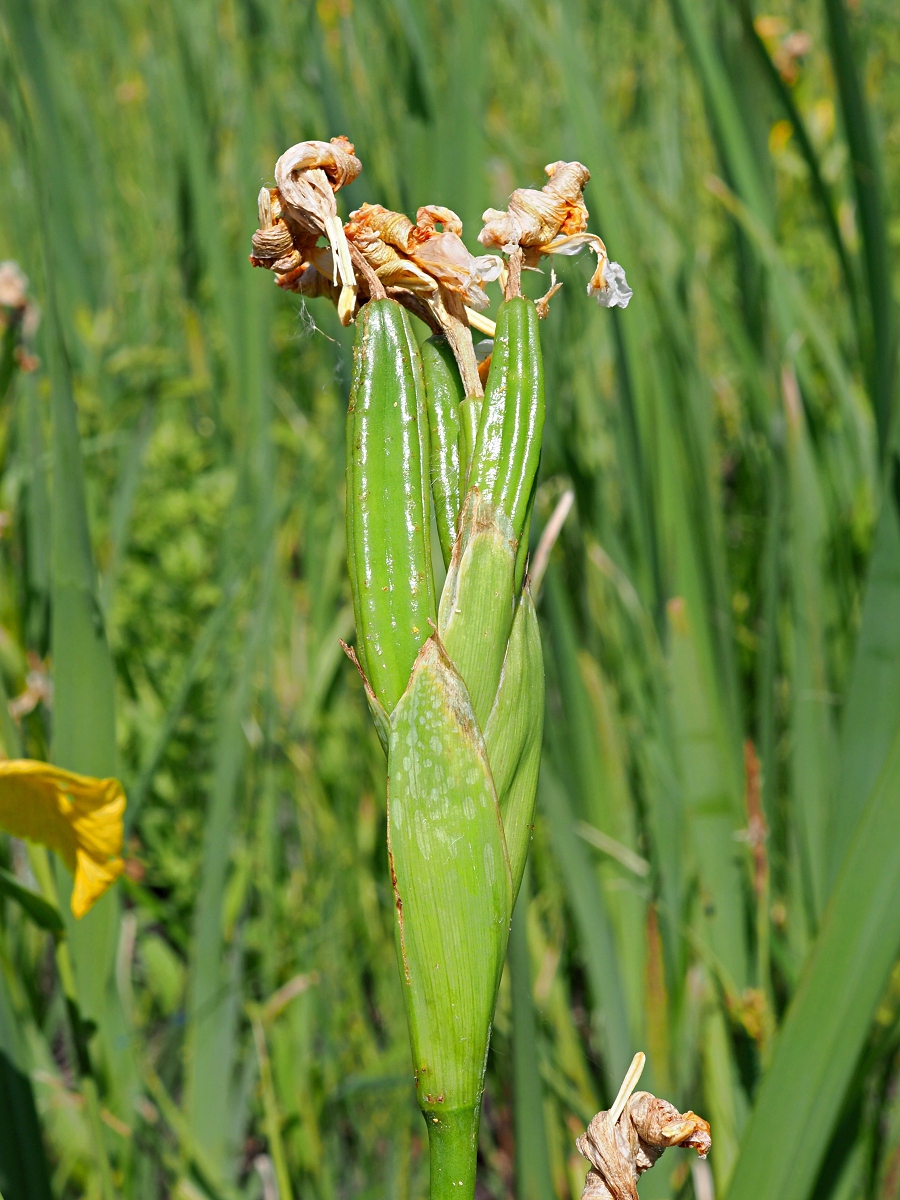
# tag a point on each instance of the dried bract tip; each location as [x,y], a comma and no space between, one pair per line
[543,305]
[554,221]
[619,1154]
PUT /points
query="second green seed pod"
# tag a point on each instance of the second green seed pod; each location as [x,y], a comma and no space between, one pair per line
[508,446]
[445,393]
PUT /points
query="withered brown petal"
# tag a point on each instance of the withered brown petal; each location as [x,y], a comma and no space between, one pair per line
[335,158]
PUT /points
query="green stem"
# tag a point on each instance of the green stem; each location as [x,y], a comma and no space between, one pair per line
[453,1152]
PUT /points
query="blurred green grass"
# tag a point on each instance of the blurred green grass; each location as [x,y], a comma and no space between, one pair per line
[731,572]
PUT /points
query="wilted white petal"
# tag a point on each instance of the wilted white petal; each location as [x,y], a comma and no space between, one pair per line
[574,242]
[487,267]
[615,293]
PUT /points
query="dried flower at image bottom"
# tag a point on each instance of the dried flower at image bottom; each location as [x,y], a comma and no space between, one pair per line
[620,1152]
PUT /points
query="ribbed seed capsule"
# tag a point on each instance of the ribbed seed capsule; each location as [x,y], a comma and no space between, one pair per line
[508,446]
[445,393]
[388,502]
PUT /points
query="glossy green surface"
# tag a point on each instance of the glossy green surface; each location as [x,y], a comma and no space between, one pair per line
[451,879]
[444,393]
[508,446]
[388,518]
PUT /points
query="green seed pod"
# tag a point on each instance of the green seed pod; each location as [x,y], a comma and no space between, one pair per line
[388,501]
[453,892]
[508,446]
[470,418]
[444,391]
[514,731]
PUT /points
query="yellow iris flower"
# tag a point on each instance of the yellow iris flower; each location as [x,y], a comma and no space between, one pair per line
[76,815]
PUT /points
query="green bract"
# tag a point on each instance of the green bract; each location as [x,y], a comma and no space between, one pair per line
[452,883]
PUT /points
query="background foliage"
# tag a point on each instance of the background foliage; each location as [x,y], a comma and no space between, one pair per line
[719,617]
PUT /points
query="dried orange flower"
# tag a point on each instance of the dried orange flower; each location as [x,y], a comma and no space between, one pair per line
[554,221]
[420,257]
[308,175]
[276,245]
[281,246]
[444,256]
[535,218]
[382,238]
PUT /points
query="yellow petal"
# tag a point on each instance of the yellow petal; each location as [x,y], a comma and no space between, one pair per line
[77,816]
[92,878]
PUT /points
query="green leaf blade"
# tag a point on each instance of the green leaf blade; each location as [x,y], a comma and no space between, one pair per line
[826,1025]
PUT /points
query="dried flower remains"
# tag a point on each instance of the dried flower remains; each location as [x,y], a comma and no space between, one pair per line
[554,221]
[628,1139]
